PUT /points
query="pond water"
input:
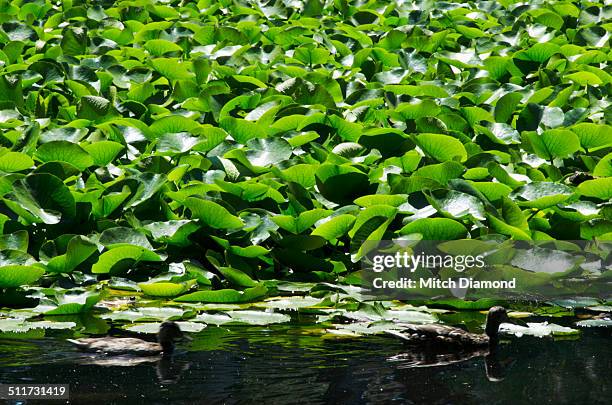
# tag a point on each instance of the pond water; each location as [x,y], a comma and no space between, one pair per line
[290,364]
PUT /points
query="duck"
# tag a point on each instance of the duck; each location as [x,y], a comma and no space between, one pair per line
[168,332]
[452,337]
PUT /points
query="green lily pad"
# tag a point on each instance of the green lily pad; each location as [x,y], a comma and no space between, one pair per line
[598,188]
[161,289]
[121,258]
[442,147]
[542,194]
[145,314]
[64,151]
[12,276]
[225,295]
[435,229]
[212,213]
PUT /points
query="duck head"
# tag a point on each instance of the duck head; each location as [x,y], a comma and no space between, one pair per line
[168,332]
[496,316]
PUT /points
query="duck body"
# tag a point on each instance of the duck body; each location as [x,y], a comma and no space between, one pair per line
[118,346]
[441,335]
[452,337]
[168,332]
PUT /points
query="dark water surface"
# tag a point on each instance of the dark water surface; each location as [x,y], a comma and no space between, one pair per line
[291,365]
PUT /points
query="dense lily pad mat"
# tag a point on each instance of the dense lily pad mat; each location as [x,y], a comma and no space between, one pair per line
[194,150]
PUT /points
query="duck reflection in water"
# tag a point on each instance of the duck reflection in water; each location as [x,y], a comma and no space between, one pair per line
[440,345]
[168,369]
[130,352]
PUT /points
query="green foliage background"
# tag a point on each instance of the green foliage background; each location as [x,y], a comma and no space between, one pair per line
[191,149]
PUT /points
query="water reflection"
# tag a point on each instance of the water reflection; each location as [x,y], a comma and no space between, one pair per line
[283,366]
[429,357]
[495,366]
[169,369]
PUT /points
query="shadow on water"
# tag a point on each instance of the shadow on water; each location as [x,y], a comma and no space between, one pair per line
[286,365]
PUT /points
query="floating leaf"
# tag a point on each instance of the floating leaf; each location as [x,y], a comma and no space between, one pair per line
[103,152]
[94,108]
[598,188]
[225,295]
[172,68]
[537,329]
[341,184]
[64,151]
[597,323]
[212,214]
[159,47]
[288,303]
[542,194]
[78,250]
[41,198]
[335,227]
[237,277]
[153,327]
[604,167]
[584,78]
[16,275]
[540,52]
[68,302]
[304,221]
[268,151]
[244,317]
[593,136]
[242,130]
[144,314]
[435,229]
[442,147]
[15,162]
[554,143]
[122,258]
[163,289]
[21,325]
[172,124]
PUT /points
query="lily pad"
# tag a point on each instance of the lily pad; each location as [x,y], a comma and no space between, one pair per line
[435,229]
[542,194]
[595,323]
[153,327]
[21,325]
[537,329]
[17,275]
